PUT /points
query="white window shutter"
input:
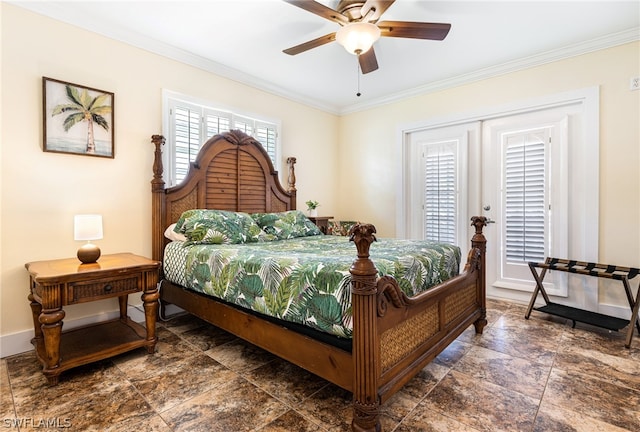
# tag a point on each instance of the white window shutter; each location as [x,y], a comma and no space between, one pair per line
[267,134]
[244,124]
[187,138]
[440,193]
[192,124]
[525,199]
[216,122]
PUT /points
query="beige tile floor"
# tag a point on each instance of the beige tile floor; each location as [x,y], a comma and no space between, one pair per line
[520,375]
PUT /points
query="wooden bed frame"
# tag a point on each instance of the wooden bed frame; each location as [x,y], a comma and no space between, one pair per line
[394,336]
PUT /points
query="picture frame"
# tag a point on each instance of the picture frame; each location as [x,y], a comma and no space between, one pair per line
[77,119]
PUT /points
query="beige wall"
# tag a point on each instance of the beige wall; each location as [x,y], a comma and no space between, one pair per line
[42,191]
[370,138]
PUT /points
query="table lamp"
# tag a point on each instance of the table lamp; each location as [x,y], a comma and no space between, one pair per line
[88,227]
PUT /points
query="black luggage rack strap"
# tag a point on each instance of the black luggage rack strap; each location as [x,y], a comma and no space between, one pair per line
[623,274]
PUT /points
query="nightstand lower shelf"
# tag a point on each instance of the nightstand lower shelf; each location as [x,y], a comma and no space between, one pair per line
[108,339]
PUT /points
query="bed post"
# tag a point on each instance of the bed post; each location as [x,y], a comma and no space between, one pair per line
[291,180]
[365,351]
[479,242]
[157,200]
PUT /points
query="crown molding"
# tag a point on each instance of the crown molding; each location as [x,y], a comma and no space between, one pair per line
[146,43]
[609,41]
[149,44]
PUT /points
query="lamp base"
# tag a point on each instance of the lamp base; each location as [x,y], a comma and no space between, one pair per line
[89,253]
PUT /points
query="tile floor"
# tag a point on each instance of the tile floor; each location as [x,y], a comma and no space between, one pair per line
[520,375]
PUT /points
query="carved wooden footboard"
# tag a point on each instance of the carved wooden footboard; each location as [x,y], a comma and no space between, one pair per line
[394,336]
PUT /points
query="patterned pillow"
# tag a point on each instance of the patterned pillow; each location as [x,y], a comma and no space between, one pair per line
[286,225]
[202,226]
[339,228]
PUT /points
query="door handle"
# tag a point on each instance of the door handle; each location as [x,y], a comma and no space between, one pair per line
[489,220]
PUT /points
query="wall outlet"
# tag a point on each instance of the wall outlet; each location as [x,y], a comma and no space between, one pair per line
[634,84]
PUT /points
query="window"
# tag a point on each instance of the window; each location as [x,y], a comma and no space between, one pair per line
[191,124]
[185,139]
[440,192]
[437,175]
[525,196]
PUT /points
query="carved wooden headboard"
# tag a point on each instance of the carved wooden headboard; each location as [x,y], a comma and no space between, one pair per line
[231,172]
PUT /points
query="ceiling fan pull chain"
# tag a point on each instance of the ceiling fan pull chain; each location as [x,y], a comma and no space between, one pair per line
[358,75]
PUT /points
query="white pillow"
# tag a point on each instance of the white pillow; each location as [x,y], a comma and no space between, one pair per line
[172,235]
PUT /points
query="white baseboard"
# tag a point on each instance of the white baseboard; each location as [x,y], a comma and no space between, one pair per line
[20,342]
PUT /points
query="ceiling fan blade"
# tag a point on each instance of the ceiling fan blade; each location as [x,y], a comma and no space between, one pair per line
[320,10]
[379,7]
[310,44]
[414,30]
[368,61]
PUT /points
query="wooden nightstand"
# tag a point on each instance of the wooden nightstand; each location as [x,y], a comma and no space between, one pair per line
[64,282]
[321,222]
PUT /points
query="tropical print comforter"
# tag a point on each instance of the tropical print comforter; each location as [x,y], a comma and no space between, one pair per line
[305,280]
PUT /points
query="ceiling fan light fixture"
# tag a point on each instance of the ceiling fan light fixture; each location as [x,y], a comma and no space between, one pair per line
[358,37]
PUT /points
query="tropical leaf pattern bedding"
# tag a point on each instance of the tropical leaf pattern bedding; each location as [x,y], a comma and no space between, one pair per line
[304,280]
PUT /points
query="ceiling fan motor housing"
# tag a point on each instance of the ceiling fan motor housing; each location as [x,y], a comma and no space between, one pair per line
[351,9]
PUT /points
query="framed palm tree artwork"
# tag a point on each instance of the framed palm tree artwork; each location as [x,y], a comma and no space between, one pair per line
[77,119]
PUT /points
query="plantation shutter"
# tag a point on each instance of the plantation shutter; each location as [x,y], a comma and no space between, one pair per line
[244,124]
[267,134]
[440,192]
[525,198]
[191,125]
[187,138]
[216,122]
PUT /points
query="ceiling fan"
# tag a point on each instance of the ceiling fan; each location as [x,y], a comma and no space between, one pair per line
[360,28]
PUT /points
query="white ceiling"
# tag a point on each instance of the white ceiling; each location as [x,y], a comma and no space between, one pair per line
[243,40]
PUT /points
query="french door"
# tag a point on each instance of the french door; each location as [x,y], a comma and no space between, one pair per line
[439,186]
[515,167]
[524,191]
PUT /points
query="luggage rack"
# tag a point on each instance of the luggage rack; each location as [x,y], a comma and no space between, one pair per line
[623,274]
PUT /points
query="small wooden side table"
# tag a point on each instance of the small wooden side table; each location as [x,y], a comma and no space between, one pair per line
[321,222]
[63,282]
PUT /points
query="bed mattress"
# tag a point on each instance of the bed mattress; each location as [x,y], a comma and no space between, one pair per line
[304,280]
